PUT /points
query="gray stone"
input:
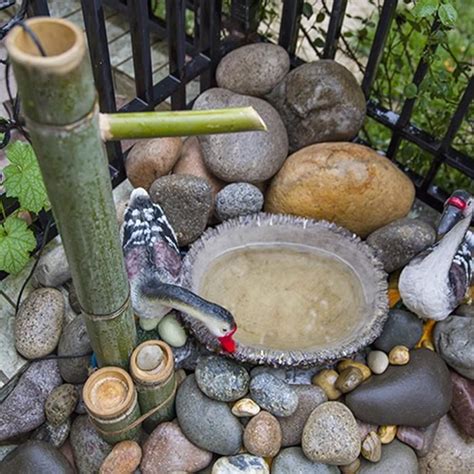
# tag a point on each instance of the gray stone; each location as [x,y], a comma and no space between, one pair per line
[207,423]
[415,394]
[89,449]
[319,102]
[462,406]
[245,156]
[222,379]
[273,395]
[465,310]
[398,242]
[377,361]
[396,458]
[53,269]
[263,369]
[187,202]
[60,404]
[402,328]
[5,449]
[80,406]
[75,341]
[254,69]
[238,199]
[331,435]
[293,461]
[420,439]
[72,297]
[453,340]
[240,464]
[309,397]
[39,323]
[54,435]
[35,457]
[23,410]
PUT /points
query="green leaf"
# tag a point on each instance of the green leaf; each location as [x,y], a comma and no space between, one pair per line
[447,14]
[16,243]
[23,178]
[320,17]
[318,43]
[307,9]
[425,8]
[410,91]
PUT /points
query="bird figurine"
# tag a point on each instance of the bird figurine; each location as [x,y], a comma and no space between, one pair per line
[436,281]
[153,263]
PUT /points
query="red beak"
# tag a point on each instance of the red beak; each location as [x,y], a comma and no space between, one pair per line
[227,342]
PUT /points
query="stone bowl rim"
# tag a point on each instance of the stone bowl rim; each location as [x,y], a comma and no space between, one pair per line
[295,358]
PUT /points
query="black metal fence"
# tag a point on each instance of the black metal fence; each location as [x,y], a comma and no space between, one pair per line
[197,55]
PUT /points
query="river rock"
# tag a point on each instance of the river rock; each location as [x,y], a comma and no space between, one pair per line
[415,394]
[462,406]
[326,380]
[60,404]
[245,156]
[262,435]
[293,460]
[319,102]
[349,379]
[186,201]
[6,449]
[401,328]
[148,160]
[172,331]
[35,457]
[253,69]
[345,183]
[54,435]
[331,435]
[452,452]
[398,242]
[23,410]
[238,199]
[74,341]
[309,397]
[222,379]
[39,323]
[240,464]
[273,395]
[52,269]
[207,423]
[245,407]
[396,458]
[453,340]
[124,458]
[377,361]
[264,369]
[89,449]
[420,439]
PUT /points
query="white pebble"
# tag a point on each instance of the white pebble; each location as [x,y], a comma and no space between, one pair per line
[377,361]
[171,331]
[150,357]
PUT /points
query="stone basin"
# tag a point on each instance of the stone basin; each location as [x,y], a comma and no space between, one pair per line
[302,292]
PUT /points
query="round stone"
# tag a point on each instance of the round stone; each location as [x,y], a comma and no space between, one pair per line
[371,448]
[262,435]
[326,379]
[387,433]
[331,435]
[222,379]
[124,458]
[399,355]
[273,395]
[396,458]
[293,460]
[240,464]
[238,199]
[172,331]
[347,363]
[245,407]
[349,379]
[60,404]
[39,323]
[377,361]
[253,69]
[149,357]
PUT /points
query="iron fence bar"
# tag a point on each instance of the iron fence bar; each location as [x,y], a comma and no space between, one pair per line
[376,51]
[244,14]
[334,28]
[140,34]
[175,21]
[209,39]
[290,24]
[38,8]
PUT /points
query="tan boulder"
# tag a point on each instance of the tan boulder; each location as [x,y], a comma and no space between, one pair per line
[341,182]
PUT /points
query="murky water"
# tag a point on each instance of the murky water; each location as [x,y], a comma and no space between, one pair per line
[284,298]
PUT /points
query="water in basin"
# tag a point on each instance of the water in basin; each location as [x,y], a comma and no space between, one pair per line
[285,298]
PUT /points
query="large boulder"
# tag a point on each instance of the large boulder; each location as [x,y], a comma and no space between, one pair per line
[345,183]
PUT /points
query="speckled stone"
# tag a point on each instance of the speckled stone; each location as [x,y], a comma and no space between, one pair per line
[240,464]
[54,435]
[74,341]
[331,435]
[124,458]
[39,323]
[60,404]
[262,435]
[396,458]
[23,410]
[401,328]
[420,439]
[462,406]
[309,397]
[222,379]
[415,394]
[238,199]
[349,379]
[397,243]
[88,447]
[378,362]
[80,406]
[293,461]
[207,423]
[263,369]
[35,457]
[273,395]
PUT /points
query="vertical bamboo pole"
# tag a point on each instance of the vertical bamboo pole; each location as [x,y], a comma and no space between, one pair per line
[62,117]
